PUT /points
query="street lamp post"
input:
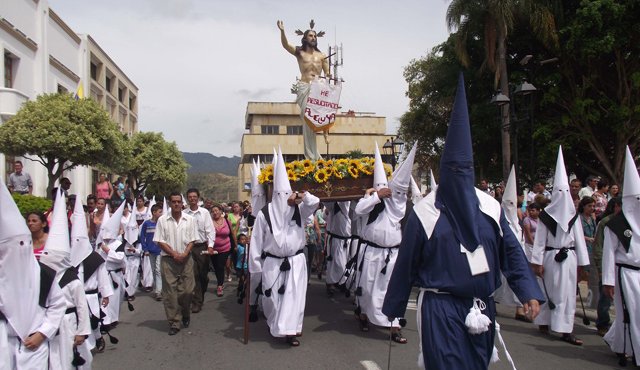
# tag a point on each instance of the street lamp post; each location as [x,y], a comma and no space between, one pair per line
[511,122]
[392,148]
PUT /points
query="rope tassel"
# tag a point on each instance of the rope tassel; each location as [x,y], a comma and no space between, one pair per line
[476,321]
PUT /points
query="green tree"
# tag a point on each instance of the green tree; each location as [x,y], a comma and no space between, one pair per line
[155,162]
[492,21]
[61,133]
[594,106]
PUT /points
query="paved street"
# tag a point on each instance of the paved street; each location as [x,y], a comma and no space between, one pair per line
[331,340]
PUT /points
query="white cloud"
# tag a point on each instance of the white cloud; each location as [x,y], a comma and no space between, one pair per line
[197,63]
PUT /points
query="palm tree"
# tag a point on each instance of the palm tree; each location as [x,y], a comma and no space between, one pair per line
[496,19]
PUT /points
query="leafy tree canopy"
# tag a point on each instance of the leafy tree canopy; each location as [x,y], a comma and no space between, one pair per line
[62,133]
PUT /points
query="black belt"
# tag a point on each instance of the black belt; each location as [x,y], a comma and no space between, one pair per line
[557,249]
[267,254]
[70,310]
[92,291]
[203,244]
[338,236]
[372,244]
[2,317]
[118,270]
[630,267]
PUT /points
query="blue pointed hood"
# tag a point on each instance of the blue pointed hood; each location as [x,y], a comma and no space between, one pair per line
[456,195]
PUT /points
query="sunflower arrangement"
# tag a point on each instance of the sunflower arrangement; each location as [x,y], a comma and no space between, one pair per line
[322,170]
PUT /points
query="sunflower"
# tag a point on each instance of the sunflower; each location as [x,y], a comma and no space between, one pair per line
[335,171]
[292,175]
[322,175]
[269,177]
[353,171]
[387,169]
[307,165]
[341,162]
[321,163]
[289,166]
[366,169]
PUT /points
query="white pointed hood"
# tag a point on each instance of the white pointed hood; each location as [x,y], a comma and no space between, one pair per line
[379,175]
[131,229]
[510,203]
[57,251]
[561,208]
[432,181]
[258,199]
[401,177]
[416,194]
[280,212]
[80,245]
[111,228]
[106,215]
[631,193]
[165,206]
[152,203]
[19,271]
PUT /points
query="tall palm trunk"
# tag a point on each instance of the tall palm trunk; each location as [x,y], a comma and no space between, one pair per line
[504,87]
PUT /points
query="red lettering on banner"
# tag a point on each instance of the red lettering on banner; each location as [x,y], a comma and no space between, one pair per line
[324,92]
[322,103]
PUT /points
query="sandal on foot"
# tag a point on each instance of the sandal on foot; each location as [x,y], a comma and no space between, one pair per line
[544,329]
[398,338]
[364,324]
[571,339]
[292,341]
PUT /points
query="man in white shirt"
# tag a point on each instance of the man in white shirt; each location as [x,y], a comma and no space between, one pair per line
[587,191]
[175,234]
[205,236]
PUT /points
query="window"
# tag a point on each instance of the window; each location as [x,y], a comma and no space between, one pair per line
[8,70]
[62,89]
[122,120]
[108,84]
[9,160]
[121,94]
[94,71]
[294,130]
[132,101]
[269,129]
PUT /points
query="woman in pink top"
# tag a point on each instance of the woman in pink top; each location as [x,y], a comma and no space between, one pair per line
[37,224]
[221,246]
[104,189]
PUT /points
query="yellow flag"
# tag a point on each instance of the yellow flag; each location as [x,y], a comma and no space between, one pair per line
[79,92]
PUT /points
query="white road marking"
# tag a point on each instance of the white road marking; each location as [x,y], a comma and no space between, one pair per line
[370,365]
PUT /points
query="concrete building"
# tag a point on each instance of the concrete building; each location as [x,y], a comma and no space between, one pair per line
[42,54]
[272,124]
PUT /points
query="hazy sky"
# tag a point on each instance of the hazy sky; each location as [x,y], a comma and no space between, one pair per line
[197,63]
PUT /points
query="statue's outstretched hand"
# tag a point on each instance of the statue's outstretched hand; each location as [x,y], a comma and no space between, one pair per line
[280,25]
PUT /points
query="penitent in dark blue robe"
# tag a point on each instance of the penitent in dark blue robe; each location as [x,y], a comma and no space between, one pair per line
[436,262]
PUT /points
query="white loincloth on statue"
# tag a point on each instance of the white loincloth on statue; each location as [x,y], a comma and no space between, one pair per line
[308,135]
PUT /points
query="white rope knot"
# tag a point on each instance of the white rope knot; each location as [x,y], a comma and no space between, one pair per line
[476,321]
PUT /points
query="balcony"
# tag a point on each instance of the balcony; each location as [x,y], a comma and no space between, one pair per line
[11,101]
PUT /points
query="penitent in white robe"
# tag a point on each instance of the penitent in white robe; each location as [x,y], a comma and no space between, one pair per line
[560,278]
[337,224]
[284,312]
[115,264]
[385,232]
[131,274]
[72,324]
[101,281]
[613,253]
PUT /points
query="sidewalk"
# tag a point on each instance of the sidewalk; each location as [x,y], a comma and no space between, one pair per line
[591,313]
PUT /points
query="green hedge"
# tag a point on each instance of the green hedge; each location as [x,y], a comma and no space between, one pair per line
[31,203]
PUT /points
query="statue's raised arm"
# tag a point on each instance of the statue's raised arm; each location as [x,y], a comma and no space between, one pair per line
[283,38]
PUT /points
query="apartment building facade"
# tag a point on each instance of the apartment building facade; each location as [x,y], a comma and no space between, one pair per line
[42,54]
[272,124]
